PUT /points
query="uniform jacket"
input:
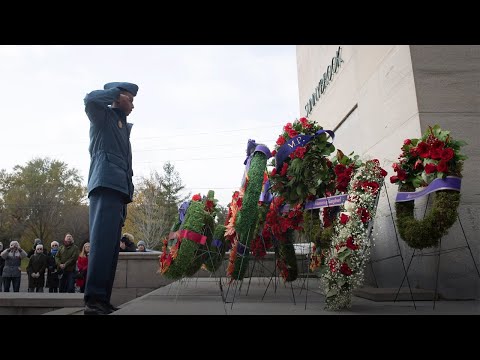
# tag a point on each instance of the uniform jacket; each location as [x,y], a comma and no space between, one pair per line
[110,148]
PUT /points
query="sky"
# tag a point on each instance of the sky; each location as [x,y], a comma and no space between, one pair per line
[197,106]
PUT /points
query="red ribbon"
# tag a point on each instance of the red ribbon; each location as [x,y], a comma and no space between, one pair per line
[190,235]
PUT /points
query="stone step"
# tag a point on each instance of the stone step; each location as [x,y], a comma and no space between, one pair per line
[25,303]
[388,294]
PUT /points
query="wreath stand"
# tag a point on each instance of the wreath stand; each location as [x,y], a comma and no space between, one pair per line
[272,275]
[183,282]
[371,262]
[438,252]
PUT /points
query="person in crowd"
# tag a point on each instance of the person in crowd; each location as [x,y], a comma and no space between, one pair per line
[12,271]
[66,260]
[141,246]
[127,244]
[2,264]
[36,242]
[82,267]
[52,274]
[36,267]
[110,187]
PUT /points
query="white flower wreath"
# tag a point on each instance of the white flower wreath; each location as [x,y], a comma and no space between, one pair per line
[350,247]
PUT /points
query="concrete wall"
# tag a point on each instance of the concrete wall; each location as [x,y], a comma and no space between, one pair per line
[137,273]
[389,100]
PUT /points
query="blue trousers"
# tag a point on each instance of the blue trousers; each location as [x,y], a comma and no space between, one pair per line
[15,281]
[106,216]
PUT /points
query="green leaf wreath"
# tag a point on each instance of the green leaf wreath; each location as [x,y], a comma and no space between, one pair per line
[435,155]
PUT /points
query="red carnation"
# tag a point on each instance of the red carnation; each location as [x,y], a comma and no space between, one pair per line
[283,172]
[196,197]
[393,179]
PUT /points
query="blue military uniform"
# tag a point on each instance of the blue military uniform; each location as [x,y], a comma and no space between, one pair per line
[110,186]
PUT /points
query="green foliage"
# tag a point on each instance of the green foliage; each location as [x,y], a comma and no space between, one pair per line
[248,214]
[286,253]
[42,199]
[425,233]
[214,255]
[186,258]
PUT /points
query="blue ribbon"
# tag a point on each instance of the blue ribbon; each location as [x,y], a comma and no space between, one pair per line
[329,201]
[301,140]
[449,183]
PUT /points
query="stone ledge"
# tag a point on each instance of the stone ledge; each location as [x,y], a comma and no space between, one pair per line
[40,300]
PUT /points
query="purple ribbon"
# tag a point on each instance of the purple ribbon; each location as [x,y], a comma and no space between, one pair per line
[217,243]
[241,249]
[329,201]
[266,196]
[252,148]
[449,183]
[300,140]
[182,210]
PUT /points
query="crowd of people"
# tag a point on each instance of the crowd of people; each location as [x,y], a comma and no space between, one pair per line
[62,269]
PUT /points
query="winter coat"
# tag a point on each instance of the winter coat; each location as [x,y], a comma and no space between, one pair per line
[52,275]
[82,266]
[67,255]
[13,262]
[37,264]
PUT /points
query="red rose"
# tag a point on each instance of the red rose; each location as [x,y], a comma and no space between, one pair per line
[442,166]
[402,175]
[196,197]
[418,165]
[430,168]
[339,169]
[350,244]
[274,172]
[407,142]
[393,179]
[344,219]
[283,172]
[274,152]
[383,172]
[436,153]
[345,270]
[423,150]
[280,140]
[447,154]
[292,133]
